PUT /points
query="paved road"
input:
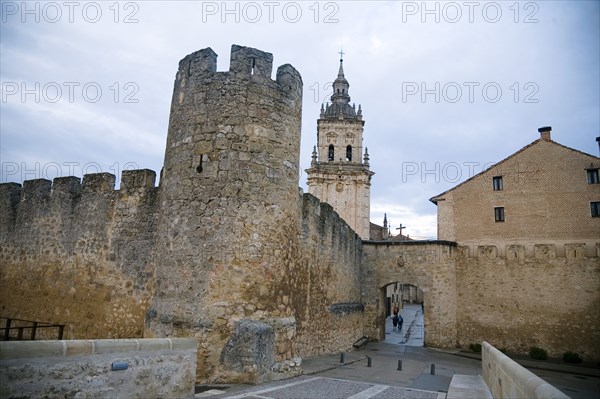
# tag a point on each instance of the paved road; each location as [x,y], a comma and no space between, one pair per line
[411,333]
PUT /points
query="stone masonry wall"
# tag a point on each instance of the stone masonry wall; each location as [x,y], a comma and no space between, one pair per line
[429,265]
[226,237]
[515,297]
[327,299]
[78,254]
[531,298]
[228,230]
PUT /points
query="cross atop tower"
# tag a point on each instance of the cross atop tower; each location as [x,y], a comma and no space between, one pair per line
[401,228]
[341,53]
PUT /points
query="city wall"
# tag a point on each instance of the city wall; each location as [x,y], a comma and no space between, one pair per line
[523,295]
[225,245]
[78,253]
[329,307]
[515,296]
[429,265]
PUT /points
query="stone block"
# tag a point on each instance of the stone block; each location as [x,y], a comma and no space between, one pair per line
[200,62]
[115,345]
[69,186]
[250,349]
[575,251]
[79,347]
[544,251]
[248,61]
[132,180]
[98,183]
[36,190]
[29,349]
[154,344]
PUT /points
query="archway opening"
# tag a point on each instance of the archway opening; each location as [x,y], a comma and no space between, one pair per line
[406,301]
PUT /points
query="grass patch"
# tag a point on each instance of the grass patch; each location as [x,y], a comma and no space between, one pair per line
[538,353]
[572,357]
[475,348]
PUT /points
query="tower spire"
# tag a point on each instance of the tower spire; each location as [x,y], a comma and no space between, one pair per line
[339,173]
[340,85]
[341,70]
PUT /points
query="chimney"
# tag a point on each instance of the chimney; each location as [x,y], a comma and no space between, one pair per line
[545,133]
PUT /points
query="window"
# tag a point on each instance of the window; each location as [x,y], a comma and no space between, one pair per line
[499,214]
[497,183]
[330,155]
[592,176]
[349,153]
[595,208]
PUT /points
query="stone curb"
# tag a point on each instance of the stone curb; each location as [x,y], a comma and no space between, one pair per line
[38,349]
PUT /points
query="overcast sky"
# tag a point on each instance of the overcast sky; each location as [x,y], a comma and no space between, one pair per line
[446,88]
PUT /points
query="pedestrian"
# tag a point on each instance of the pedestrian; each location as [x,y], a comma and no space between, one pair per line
[395,321]
[400,322]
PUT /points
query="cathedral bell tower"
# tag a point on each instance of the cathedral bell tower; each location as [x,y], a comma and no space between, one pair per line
[339,172]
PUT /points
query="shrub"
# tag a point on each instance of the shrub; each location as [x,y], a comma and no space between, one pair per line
[538,353]
[572,357]
[475,348]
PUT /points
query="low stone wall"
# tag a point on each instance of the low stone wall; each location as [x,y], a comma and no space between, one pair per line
[507,379]
[132,368]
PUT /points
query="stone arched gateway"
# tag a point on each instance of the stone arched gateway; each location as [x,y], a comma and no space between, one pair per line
[430,265]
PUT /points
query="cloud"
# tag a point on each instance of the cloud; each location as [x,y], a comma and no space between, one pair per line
[404,63]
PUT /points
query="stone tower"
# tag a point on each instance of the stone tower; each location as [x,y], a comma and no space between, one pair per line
[339,172]
[227,233]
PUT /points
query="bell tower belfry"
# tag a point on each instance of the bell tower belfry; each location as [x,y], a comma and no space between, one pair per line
[339,170]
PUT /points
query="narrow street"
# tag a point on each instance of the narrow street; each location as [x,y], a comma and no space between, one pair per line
[412,332]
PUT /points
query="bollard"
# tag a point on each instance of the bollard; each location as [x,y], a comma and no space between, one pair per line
[368,361]
[400,364]
[342,355]
[432,369]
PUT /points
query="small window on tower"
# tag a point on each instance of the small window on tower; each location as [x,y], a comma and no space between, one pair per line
[349,153]
[330,154]
[497,183]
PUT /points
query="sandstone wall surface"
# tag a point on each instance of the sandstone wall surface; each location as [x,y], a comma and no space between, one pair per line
[327,299]
[536,300]
[429,265]
[78,254]
[228,228]
[225,238]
